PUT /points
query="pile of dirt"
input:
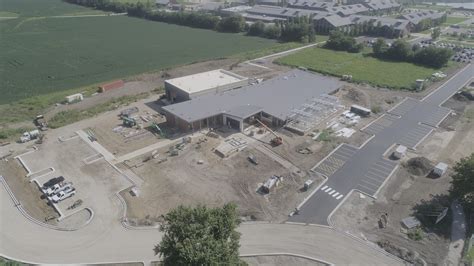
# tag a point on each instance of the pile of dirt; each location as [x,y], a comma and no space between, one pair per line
[411,256]
[356,96]
[419,166]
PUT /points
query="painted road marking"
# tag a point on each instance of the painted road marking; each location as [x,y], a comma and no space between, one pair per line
[327,189]
[330,193]
[340,196]
[335,194]
[324,187]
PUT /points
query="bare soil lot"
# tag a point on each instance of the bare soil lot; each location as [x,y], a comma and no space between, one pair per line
[26,192]
[184,179]
[119,139]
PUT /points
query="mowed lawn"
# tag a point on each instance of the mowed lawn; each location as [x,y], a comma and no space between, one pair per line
[454,20]
[362,67]
[41,55]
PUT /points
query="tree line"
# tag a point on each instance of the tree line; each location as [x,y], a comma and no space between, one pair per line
[401,50]
[298,29]
[341,42]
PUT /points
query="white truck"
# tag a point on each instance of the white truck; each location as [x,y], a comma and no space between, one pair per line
[29,135]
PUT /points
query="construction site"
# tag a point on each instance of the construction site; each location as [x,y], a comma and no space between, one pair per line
[267,144]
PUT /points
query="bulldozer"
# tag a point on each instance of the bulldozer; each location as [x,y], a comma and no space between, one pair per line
[277,140]
[129,122]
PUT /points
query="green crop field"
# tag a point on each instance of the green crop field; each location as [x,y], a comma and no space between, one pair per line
[362,67]
[42,54]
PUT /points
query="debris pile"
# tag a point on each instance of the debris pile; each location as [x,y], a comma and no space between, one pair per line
[419,166]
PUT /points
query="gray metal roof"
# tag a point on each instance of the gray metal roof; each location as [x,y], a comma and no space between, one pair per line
[416,17]
[277,96]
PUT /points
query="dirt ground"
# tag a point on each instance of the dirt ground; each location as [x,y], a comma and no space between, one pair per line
[280,261]
[26,192]
[214,181]
[404,192]
[119,139]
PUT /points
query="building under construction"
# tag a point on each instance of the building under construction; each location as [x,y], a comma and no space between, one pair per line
[297,98]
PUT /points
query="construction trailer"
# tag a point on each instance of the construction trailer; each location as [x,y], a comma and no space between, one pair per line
[362,111]
[74,98]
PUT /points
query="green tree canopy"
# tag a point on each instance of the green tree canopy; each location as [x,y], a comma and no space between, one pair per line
[462,185]
[435,33]
[200,236]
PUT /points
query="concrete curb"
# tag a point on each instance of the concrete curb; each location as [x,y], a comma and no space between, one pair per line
[286,254]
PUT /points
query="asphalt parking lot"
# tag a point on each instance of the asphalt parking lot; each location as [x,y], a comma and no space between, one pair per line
[366,169]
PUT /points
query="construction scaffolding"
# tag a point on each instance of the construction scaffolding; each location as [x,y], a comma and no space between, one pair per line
[310,114]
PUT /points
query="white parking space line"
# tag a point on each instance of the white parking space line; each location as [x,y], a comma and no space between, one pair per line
[330,193]
[380,172]
[340,196]
[374,180]
[375,176]
[324,188]
[327,189]
[366,183]
[367,189]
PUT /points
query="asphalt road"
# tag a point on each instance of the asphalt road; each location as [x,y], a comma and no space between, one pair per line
[365,169]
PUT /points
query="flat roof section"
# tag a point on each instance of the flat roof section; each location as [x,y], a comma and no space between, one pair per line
[277,97]
[205,80]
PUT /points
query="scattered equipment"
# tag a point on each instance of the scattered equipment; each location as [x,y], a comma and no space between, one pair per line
[307,185]
[27,136]
[129,122]
[252,159]
[270,183]
[128,112]
[411,222]
[40,123]
[277,140]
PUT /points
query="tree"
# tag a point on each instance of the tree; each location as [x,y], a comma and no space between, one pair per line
[435,33]
[433,56]
[462,185]
[400,51]
[257,29]
[272,32]
[234,23]
[340,42]
[200,236]
[380,47]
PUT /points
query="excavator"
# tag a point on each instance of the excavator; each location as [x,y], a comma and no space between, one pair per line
[277,140]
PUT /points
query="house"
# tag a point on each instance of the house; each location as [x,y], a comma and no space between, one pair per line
[162,3]
[380,7]
[347,10]
[309,4]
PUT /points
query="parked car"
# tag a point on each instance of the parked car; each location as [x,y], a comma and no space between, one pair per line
[53,181]
[63,194]
[56,188]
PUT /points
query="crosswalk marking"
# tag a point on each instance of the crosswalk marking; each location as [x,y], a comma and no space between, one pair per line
[332,192]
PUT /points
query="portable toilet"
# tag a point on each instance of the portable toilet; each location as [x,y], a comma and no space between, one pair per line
[440,169]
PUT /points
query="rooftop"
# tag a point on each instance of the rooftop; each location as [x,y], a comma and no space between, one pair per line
[205,80]
[278,97]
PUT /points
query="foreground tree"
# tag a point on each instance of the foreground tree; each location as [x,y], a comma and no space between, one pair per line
[200,236]
[462,185]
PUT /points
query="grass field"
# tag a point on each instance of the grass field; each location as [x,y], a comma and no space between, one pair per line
[362,67]
[41,55]
[42,8]
[454,20]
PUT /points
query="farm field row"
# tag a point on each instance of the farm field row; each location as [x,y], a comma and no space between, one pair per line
[361,66]
[43,55]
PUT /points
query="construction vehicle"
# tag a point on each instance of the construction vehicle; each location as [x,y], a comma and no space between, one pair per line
[30,135]
[154,127]
[277,140]
[129,122]
[40,123]
[252,159]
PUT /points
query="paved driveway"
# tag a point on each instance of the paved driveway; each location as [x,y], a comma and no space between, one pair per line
[365,169]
